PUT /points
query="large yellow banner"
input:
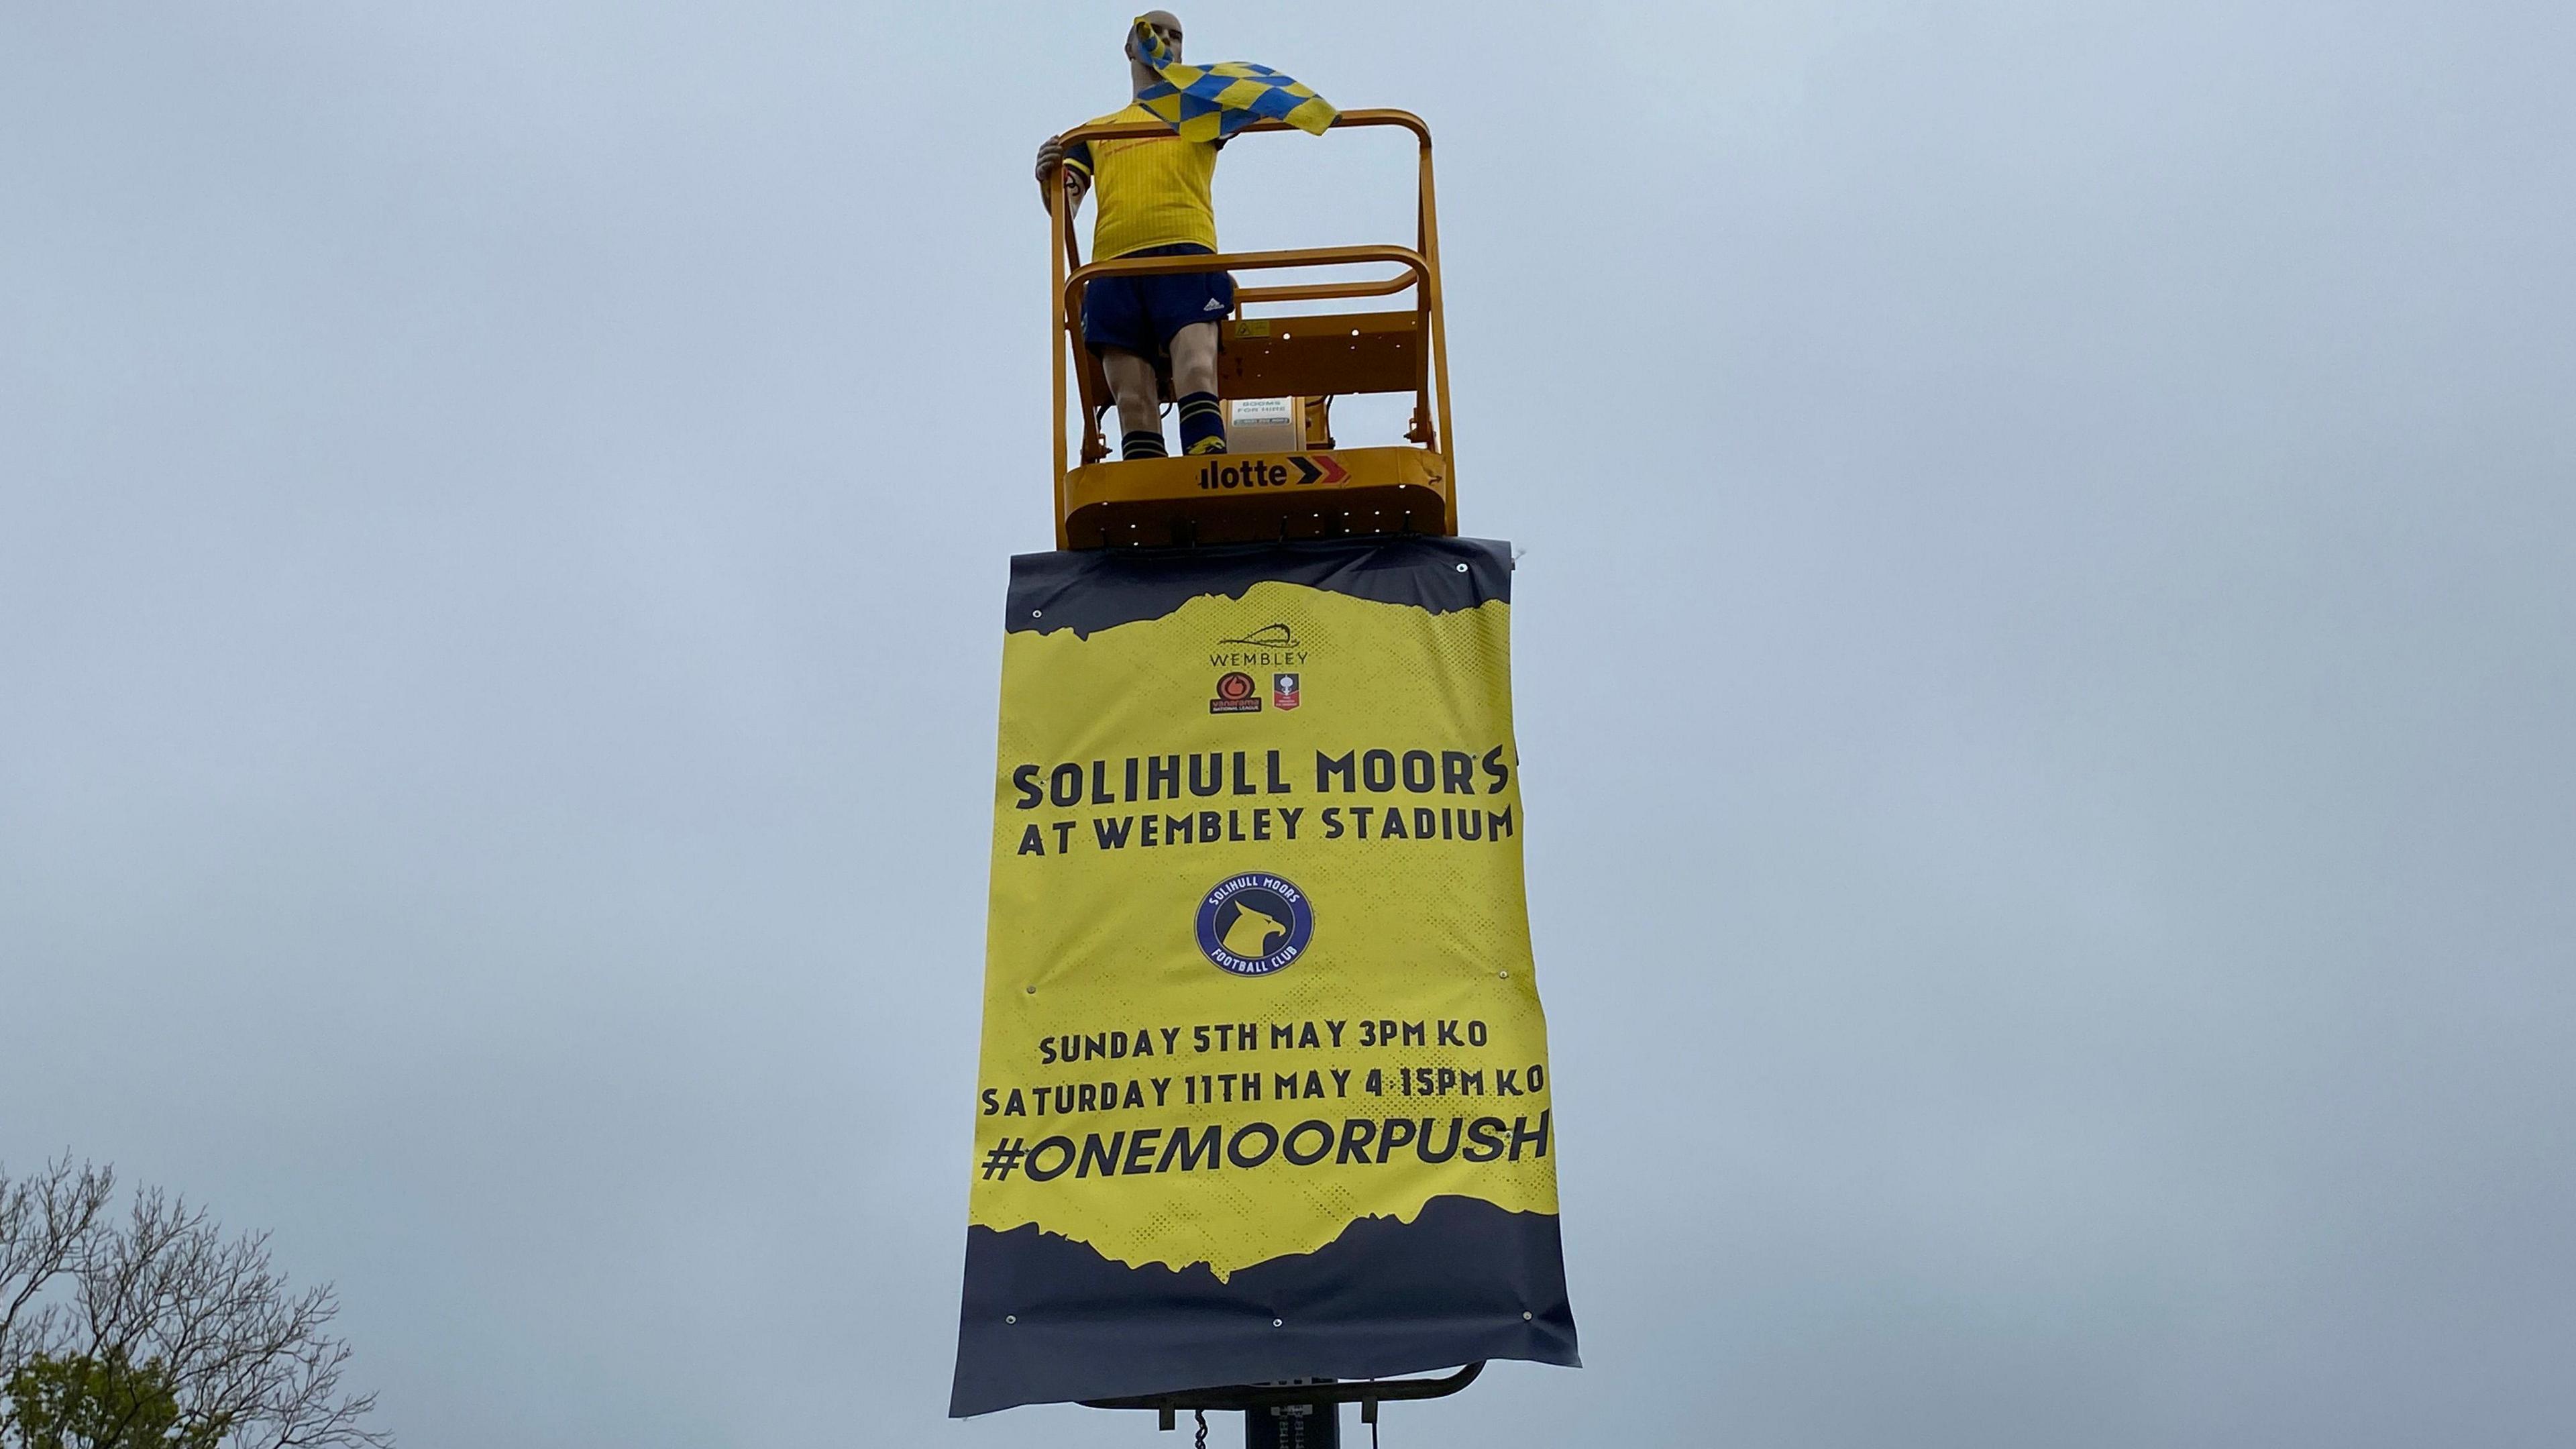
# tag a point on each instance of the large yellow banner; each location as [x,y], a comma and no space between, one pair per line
[1264,1089]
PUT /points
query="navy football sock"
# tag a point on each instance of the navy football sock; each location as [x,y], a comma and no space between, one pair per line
[1141,444]
[1202,423]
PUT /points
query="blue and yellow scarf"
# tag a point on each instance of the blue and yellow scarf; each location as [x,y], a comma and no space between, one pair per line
[1212,102]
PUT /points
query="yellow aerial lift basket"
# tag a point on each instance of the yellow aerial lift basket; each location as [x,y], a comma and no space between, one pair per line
[1319,491]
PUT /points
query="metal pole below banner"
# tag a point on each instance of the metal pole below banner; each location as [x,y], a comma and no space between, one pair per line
[1304,1396]
[1302,1415]
[1293,1426]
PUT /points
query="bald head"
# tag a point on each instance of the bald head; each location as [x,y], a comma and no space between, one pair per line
[1165,24]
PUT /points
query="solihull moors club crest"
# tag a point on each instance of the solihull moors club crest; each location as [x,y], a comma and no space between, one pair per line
[1254,924]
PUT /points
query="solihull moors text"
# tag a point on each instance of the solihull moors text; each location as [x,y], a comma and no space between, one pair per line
[1379,772]
[1229,773]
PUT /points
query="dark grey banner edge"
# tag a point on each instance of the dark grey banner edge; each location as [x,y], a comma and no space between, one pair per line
[1046,1319]
[1097,589]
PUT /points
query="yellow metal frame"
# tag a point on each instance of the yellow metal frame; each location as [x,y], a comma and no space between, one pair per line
[1382,489]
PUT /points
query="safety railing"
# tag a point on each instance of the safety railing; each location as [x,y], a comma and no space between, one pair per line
[1419,272]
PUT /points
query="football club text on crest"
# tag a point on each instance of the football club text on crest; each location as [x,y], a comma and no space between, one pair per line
[1254,924]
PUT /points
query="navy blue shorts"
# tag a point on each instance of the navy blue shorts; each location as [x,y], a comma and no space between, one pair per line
[1140,314]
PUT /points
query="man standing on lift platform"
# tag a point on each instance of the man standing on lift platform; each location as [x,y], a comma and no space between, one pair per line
[1154,202]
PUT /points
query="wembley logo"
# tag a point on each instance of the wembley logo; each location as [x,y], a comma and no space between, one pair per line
[1272,646]
[1268,636]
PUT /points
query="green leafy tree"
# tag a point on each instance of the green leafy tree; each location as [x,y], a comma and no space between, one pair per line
[157,1330]
[101,1403]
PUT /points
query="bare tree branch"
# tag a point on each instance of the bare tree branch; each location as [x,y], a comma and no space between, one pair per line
[248,1359]
[47,1225]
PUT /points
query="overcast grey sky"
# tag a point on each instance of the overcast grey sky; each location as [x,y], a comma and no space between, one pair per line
[2044,680]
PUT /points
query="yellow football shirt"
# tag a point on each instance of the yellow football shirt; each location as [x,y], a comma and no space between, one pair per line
[1153,192]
